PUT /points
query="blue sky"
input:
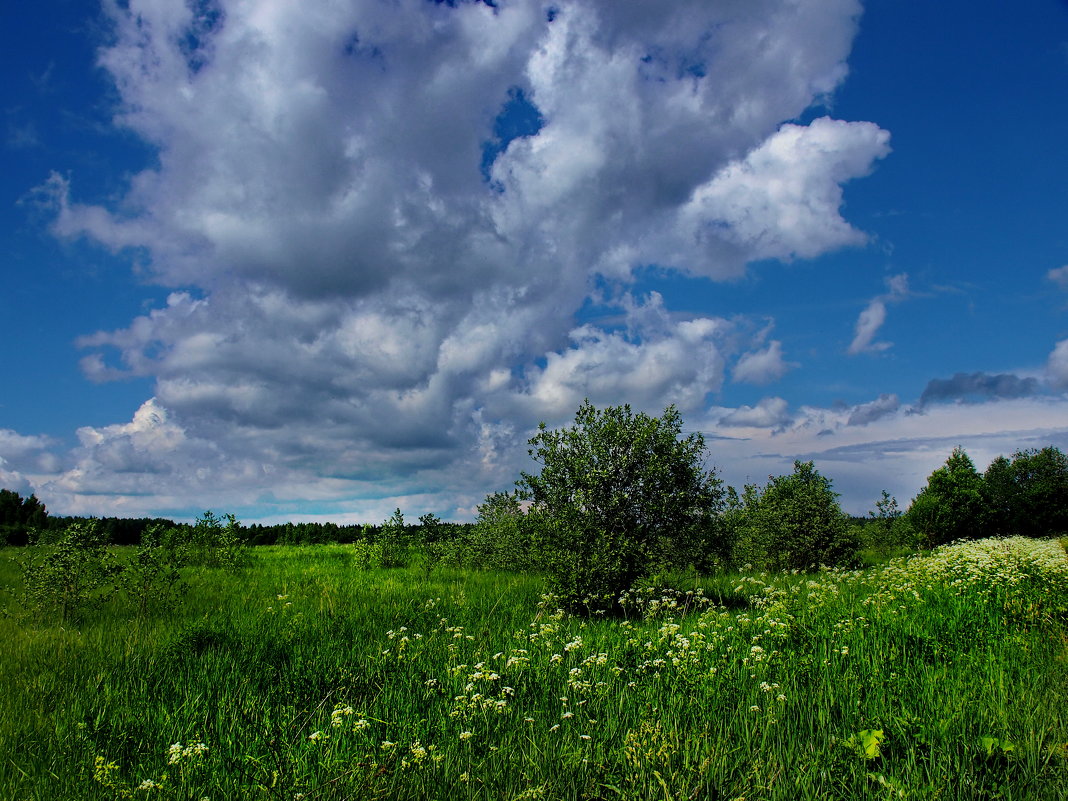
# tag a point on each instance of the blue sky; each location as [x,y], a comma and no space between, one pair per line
[315,262]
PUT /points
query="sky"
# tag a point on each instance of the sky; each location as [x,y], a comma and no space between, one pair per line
[320,260]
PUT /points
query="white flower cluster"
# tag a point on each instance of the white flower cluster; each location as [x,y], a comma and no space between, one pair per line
[177,753]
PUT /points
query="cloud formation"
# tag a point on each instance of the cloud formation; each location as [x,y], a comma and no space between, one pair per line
[1057,365]
[1059,276]
[762,366]
[977,386]
[377,289]
[867,413]
[871,319]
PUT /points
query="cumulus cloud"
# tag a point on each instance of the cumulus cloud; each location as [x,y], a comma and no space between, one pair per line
[373,281]
[1057,365]
[871,319]
[762,366]
[973,386]
[22,457]
[768,413]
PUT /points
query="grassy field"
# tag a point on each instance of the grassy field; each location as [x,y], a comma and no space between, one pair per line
[302,677]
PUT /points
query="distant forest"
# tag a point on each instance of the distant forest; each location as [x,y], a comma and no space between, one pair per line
[25,521]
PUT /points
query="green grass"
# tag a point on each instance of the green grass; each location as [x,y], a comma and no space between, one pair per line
[939,677]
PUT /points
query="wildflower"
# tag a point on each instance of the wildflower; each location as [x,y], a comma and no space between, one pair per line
[387,745]
[466,735]
[176,753]
[362,723]
[316,736]
[339,713]
[148,785]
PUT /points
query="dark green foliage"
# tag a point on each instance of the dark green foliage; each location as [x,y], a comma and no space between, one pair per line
[1027,496]
[20,518]
[950,507]
[619,496]
[793,523]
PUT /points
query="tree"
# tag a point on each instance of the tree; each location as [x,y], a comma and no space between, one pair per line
[501,537]
[619,495]
[73,576]
[1027,495]
[951,506]
[794,522]
[20,519]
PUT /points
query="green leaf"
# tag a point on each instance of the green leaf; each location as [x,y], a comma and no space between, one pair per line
[866,742]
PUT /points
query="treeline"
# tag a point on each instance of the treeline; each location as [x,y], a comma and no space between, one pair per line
[25,521]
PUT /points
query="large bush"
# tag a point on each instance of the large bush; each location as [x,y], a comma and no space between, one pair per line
[794,522]
[619,495]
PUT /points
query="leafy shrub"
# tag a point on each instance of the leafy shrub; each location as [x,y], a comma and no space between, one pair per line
[152,576]
[619,496]
[501,538]
[368,555]
[211,542]
[71,577]
[393,542]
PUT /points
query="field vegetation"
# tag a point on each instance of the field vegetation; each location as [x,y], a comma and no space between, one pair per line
[568,645]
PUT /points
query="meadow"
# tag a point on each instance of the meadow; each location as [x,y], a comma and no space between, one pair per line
[304,676]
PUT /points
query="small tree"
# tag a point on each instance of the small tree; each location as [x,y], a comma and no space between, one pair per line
[73,576]
[795,522]
[502,537]
[393,539]
[619,495]
[951,506]
[152,577]
[212,542]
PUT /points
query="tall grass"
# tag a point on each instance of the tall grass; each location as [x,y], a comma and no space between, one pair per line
[942,676]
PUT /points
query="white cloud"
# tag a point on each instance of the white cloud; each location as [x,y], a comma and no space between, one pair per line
[782,201]
[762,366]
[1059,276]
[1057,365]
[871,319]
[358,312]
[768,413]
